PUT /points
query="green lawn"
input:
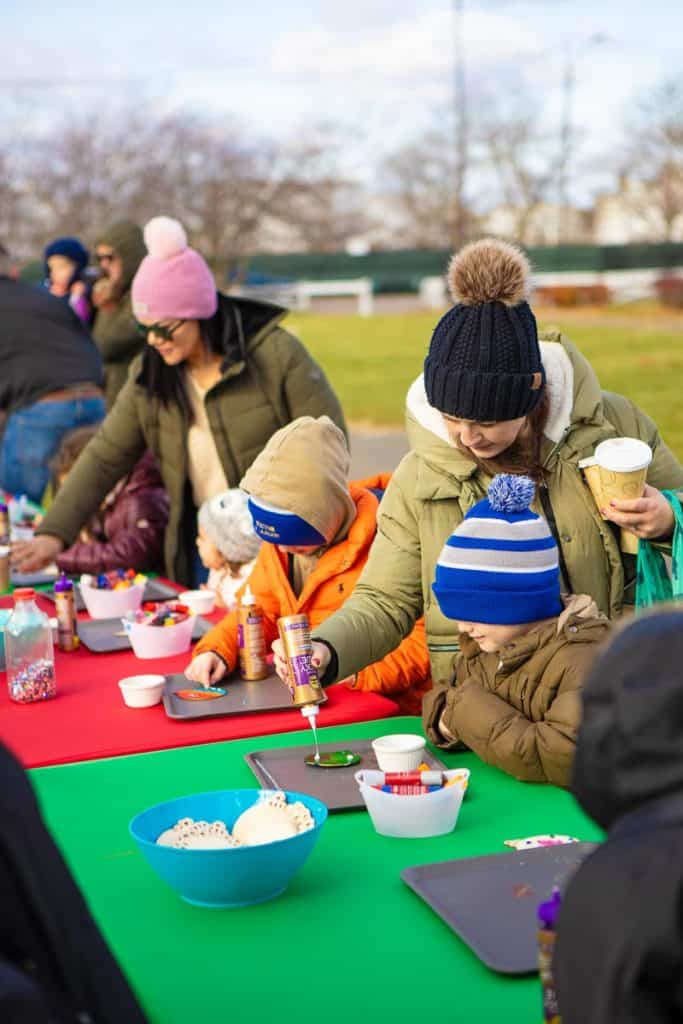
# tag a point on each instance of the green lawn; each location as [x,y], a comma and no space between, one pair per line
[371,362]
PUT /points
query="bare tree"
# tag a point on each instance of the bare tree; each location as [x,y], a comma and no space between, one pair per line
[654,157]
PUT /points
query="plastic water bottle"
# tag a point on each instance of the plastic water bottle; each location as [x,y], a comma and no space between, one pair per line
[28,650]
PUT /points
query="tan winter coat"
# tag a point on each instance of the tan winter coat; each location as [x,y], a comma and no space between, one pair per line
[435,485]
[520,708]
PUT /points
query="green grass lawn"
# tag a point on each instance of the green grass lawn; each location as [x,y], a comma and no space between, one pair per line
[372,362]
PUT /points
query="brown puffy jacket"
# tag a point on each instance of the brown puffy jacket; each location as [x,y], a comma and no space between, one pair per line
[520,708]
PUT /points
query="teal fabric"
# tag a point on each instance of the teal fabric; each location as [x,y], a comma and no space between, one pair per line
[654,585]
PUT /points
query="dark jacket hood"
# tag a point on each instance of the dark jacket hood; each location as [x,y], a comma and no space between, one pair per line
[630,745]
[125,237]
[243,321]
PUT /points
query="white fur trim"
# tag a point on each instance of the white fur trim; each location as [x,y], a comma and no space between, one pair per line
[164,237]
[559,374]
[559,381]
[425,414]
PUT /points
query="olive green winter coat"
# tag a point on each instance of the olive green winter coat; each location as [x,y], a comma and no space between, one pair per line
[268,379]
[435,485]
[520,708]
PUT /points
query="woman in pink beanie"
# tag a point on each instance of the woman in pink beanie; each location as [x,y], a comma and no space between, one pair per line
[218,377]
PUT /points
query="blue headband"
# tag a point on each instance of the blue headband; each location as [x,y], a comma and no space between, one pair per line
[276,526]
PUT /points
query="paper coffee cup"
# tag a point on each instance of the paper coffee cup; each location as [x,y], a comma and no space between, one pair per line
[617,472]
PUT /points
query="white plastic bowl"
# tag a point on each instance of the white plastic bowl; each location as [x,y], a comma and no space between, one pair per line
[111,604]
[142,691]
[200,602]
[413,817]
[401,752]
[159,641]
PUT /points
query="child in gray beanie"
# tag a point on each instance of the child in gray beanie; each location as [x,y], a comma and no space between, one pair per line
[227,544]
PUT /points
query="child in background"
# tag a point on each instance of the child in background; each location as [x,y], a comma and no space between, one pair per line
[515,699]
[619,950]
[227,544]
[66,260]
[318,529]
[128,530]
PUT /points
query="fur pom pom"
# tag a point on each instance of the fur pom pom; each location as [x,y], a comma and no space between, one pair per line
[510,493]
[164,237]
[489,271]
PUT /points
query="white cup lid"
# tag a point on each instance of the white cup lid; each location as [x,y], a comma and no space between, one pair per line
[623,454]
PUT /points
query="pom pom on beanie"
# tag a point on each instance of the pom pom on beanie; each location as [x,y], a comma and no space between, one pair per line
[164,237]
[510,493]
[489,271]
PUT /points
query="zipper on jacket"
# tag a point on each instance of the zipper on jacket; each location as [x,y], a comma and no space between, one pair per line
[549,514]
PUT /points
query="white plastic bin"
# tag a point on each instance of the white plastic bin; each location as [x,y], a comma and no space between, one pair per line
[413,817]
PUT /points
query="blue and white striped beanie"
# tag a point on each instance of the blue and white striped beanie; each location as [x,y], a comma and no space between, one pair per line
[500,565]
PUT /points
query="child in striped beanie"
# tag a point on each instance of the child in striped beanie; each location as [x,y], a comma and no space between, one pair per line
[515,698]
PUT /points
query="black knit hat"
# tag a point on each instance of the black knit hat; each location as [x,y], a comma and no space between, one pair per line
[484,362]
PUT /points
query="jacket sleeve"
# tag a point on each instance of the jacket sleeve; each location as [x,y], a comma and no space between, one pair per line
[387,600]
[116,333]
[110,455]
[306,389]
[138,544]
[502,736]
[222,639]
[405,668]
[433,704]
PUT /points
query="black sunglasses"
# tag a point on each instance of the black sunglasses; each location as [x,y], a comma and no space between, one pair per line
[104,257]
[160,330]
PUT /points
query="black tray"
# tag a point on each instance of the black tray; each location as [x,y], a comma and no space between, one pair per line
[490,902]
[154,591]
[284,768]
[104,635]
[243,697]
[33,579]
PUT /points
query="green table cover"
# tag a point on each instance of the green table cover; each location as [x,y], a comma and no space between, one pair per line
[348,943]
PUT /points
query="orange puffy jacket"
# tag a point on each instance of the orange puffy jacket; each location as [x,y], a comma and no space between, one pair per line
[403,675]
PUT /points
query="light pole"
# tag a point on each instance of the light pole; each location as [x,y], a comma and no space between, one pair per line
[566,129]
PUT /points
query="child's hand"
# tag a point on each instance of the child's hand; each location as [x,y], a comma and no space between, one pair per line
[207,668]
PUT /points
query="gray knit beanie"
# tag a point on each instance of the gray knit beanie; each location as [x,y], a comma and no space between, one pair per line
[226,521]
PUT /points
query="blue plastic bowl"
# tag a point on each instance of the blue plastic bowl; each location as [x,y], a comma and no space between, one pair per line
[234,877]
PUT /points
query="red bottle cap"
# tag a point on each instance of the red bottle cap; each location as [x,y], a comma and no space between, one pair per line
[24,594]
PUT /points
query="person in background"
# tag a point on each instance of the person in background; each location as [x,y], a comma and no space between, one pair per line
[128,529]
[55,967]
[119,251]
[66,261]
[50,382]
[619,946]
[227,544]
[515,697]
[317,529]
[218,377]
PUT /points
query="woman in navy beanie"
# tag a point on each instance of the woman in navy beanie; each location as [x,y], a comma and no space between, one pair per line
[496,397]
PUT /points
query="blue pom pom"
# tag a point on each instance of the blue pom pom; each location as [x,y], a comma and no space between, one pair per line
[510,493]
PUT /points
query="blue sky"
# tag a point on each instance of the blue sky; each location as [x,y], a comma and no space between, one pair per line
[383,68]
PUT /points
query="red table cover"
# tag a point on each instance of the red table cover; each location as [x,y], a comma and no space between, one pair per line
[88,719]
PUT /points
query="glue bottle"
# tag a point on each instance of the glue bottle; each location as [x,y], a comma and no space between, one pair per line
[251,638]
[548,913]
[67,634]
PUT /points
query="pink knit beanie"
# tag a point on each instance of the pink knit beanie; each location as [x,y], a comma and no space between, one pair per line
[173,282]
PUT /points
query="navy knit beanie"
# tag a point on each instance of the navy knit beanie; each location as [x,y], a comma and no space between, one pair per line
[484,362]
[72,249]
[500,565]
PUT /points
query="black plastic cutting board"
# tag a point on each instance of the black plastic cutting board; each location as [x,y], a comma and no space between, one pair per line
[243,697]
[284,768]
[104,635]
[490,902]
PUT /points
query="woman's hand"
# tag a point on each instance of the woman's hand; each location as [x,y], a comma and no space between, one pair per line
[320,659]
[34,555]
[650,517]
[207,668]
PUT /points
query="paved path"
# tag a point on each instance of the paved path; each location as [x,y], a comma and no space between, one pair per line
[375,451]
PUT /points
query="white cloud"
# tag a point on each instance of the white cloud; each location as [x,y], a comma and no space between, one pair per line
[408,48]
